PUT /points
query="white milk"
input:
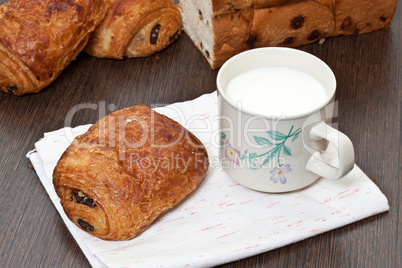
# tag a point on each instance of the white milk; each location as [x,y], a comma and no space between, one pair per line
[276,91]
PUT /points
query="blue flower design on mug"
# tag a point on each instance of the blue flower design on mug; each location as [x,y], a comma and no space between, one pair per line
[278,173]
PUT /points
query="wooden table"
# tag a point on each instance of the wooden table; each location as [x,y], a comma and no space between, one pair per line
[369,74]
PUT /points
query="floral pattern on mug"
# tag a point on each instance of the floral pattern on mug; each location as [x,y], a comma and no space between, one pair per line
[275,147]
[278,173]
[275,142]
[232,154]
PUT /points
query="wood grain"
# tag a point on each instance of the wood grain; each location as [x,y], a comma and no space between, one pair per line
[369,96]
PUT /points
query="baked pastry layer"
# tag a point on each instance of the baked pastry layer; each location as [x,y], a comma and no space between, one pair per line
[130,167]
[39,38]
[135,28]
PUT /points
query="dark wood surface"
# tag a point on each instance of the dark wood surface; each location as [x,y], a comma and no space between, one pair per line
[368,70]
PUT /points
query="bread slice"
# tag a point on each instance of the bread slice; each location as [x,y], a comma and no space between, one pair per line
[359,17]
[221,29]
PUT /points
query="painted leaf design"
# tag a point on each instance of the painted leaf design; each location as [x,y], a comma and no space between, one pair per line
[276,135]
[223,138]
[253,155]
[295,137]
[287,150]
[266,160]
[270,156]
[254,166]
[262,141]
[248,155]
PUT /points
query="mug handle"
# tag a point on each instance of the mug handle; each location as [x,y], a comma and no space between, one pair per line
[343,145]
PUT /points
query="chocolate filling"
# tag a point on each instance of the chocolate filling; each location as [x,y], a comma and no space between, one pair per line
[83,199]
[86,226]
[154,34]
[12,89]
[174,37]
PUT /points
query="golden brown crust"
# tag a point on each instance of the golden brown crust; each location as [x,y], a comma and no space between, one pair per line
[245,24]
[220,7]
[297,24]
[135,28]
[39,38]
[358,17]
[232,33]
[130,167]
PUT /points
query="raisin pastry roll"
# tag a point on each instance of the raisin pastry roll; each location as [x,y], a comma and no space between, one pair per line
[135,28]
[131,166]
[39,38]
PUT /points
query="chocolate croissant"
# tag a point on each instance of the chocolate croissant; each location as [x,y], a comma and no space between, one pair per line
[39,38]
[130,167]
[135,28]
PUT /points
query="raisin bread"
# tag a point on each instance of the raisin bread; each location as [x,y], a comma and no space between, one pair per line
[221,28]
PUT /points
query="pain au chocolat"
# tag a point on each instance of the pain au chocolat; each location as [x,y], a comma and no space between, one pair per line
[135,28]
[129,168]
[39,38]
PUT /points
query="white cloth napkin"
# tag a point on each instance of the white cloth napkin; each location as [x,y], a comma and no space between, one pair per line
[221,221]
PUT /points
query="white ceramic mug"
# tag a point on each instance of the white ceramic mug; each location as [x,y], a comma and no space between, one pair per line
[279,152]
